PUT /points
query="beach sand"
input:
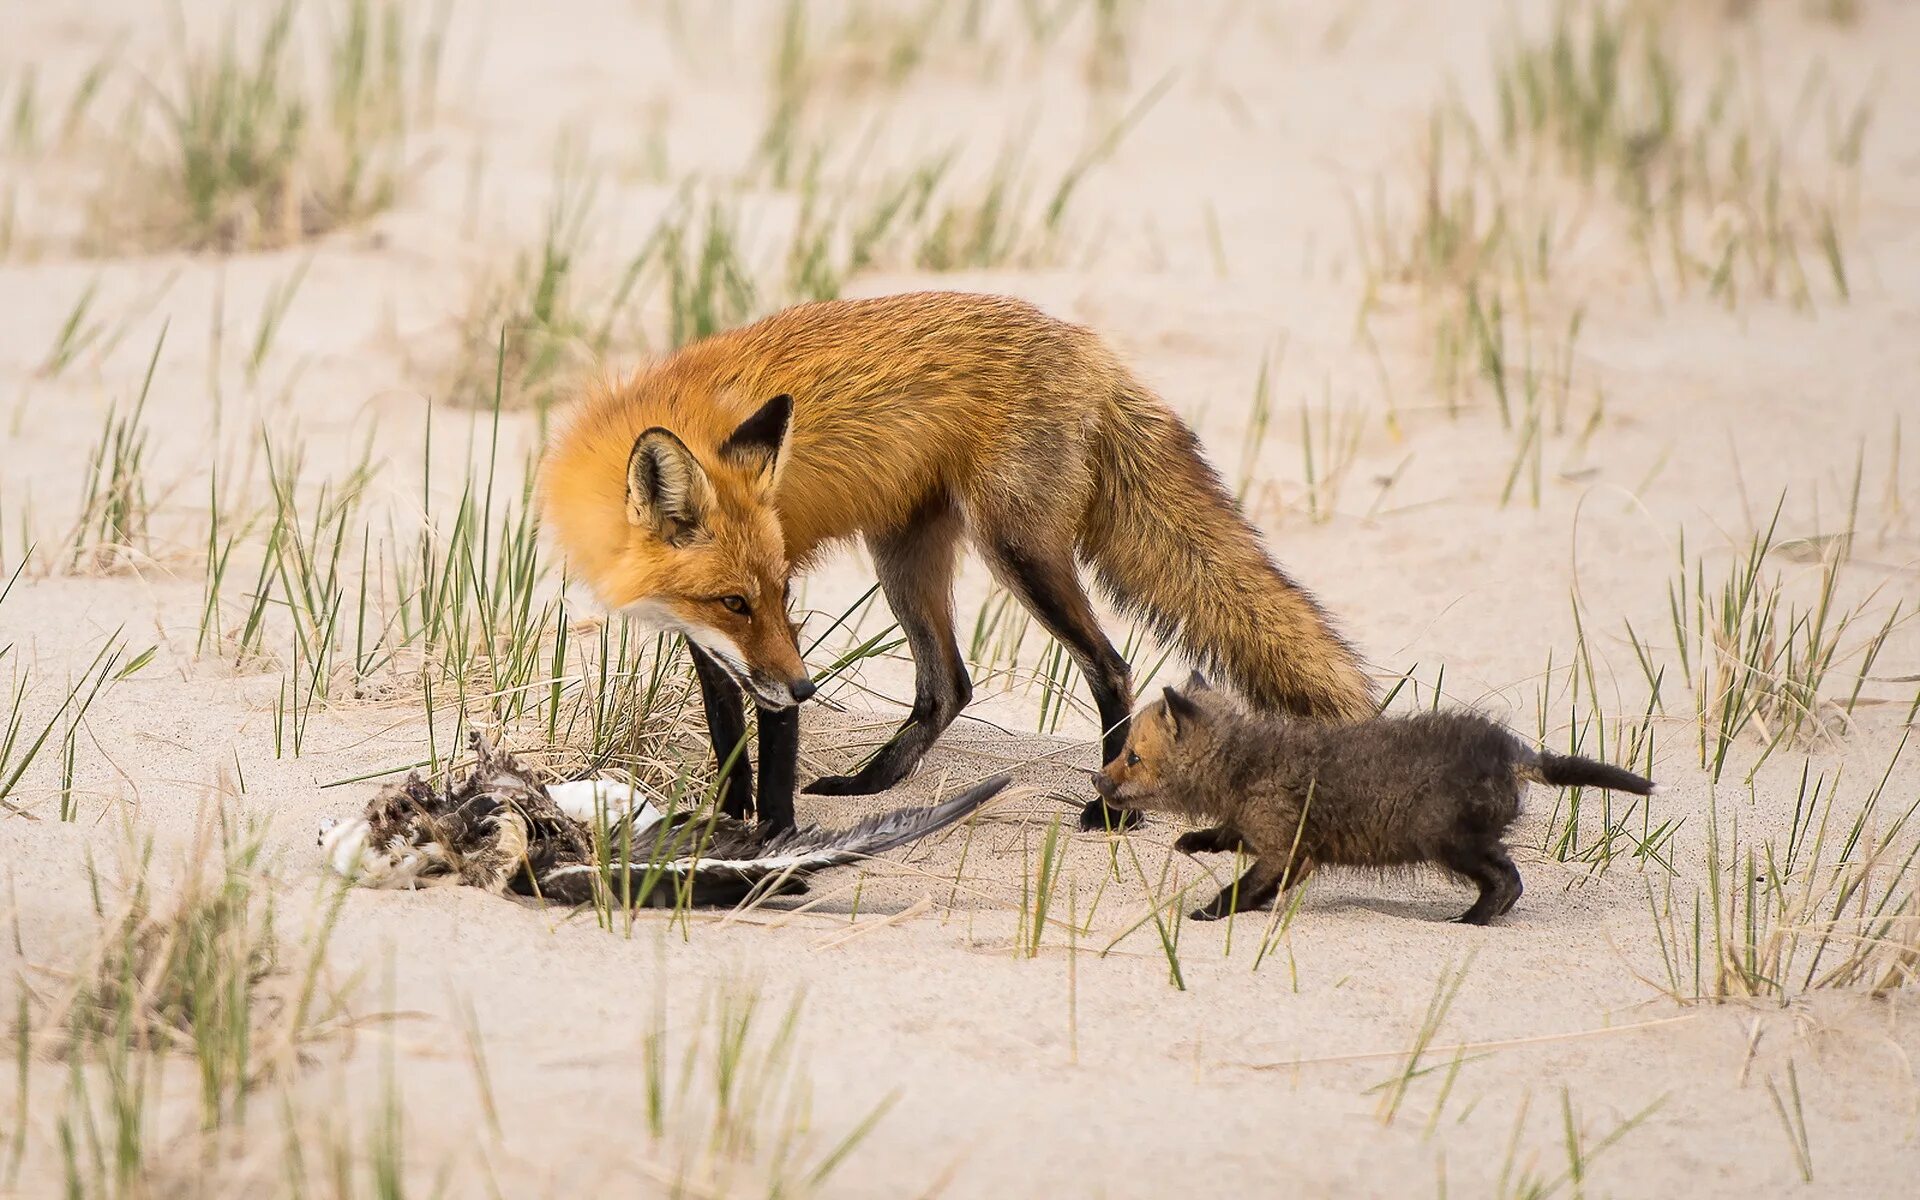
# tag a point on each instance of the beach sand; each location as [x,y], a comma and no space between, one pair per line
[1359,1044]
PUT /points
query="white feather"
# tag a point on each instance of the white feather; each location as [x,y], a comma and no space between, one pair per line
[585,800]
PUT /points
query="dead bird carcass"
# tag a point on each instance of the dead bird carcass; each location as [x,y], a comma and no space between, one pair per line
[500,829]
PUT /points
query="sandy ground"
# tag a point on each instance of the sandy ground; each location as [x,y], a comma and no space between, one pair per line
[1083,1070]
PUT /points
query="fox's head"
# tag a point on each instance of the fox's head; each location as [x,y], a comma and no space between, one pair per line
[688,545]
[1167,742]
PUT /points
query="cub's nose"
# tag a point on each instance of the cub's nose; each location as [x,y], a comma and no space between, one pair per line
[802,689]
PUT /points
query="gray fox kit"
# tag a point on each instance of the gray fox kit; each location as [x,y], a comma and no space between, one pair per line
[1437,788]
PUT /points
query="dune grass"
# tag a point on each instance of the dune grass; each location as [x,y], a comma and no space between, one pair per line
[248,148]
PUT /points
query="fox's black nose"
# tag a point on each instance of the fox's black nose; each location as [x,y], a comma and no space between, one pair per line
[801,688]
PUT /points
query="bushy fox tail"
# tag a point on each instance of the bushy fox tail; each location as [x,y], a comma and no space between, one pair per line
[1167,541]
[1571,770]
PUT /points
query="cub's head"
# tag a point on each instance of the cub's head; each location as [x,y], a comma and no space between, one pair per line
[1166,741]
[685,541]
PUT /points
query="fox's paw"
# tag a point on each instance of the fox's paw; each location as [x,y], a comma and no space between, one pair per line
[1209,913]
[1096,817]
[846,785]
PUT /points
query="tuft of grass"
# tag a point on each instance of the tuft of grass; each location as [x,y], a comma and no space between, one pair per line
[21,743]
[252,153]
[735,1112]
[1835,904]
[1709,182]
[529,330]
[1756,648]
[115,507]
[199,972]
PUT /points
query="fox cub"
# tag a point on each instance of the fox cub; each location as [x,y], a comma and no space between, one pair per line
[1437,788]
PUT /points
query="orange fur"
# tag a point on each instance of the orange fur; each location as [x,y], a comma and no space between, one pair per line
[946,413]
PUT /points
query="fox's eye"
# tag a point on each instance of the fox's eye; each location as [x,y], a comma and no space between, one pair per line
[1133,760]
[735,604]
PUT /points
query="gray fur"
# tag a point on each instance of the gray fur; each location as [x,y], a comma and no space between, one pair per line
[1439,788]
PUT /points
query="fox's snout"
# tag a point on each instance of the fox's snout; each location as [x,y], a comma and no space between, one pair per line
[1104,784]
[770,692]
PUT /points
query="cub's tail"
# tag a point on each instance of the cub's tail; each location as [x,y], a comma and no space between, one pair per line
[1571,770]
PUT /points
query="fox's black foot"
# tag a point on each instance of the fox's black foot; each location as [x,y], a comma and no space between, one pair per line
[860,783]
[1096,817]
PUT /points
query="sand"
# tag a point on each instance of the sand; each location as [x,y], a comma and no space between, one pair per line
[1085,1069]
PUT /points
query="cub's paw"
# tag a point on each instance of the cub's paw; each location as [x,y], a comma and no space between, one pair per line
[1206,841]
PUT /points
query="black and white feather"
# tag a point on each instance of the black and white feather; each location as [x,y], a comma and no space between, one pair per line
[499,829]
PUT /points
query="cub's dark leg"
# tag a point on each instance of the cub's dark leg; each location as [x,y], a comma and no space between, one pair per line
[727,728]
[1220,839]
[1048,584]
[779,761]
[1256,889]
[1494,872]
[1510,895]
[915,564]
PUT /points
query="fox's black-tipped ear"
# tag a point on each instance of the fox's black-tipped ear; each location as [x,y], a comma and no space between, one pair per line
[1197,682]
[1182,713]
[667,488]
[759,442]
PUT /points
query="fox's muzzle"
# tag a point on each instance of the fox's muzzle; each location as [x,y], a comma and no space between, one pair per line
[771,693]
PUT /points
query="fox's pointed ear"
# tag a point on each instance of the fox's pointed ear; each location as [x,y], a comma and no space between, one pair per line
[1197,682]
[1182,713]
[667,488]
[759,443]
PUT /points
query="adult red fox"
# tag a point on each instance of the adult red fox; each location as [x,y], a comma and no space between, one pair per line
[689,495]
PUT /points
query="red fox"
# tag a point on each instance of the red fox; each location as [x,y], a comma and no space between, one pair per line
[689,494]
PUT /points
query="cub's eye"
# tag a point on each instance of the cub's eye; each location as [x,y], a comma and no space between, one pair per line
[1133,760]
[736,604]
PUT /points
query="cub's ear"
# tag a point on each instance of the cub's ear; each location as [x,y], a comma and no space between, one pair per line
[758,444]
[1182,714]
[667,489]
[1197,682]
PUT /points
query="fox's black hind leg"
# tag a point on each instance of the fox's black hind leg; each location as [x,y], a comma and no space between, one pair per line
[1049,585]
[916,565]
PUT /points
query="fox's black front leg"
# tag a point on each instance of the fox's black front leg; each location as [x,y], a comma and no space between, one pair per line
[916,565]
[727,727]
[779,762]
